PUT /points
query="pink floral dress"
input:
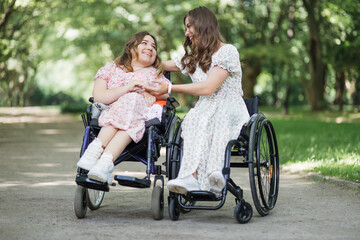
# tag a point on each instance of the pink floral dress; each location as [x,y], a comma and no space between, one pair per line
[131,110]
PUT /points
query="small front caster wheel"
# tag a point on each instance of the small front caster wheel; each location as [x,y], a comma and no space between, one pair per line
[94,198]
[80,203]
[243,212]
[174,211]
[157,203]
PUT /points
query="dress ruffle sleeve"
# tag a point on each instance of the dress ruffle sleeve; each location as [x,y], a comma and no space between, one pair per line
[106,72]
[227,58]
[177,61]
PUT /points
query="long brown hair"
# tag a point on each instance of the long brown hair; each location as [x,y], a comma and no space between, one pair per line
[132,43]
[208,39]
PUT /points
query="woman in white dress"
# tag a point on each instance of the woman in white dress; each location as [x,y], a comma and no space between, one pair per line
[220,112]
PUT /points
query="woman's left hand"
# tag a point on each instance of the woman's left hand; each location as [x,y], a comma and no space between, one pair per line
[160,89]
[136,85]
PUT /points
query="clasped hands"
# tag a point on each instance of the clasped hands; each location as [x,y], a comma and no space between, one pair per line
[156,87]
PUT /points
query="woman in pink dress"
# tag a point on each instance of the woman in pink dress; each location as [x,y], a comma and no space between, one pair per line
[120,85]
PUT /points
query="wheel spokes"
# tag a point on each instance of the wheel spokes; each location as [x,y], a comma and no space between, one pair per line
[265,168]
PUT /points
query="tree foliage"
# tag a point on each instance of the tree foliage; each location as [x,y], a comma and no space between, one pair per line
[291,51]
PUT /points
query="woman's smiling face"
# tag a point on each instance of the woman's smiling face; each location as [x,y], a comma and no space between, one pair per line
[146,51]
[190,31]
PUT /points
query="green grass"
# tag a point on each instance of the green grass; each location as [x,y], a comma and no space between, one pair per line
[326,142]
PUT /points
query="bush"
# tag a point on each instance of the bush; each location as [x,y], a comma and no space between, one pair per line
[68,103]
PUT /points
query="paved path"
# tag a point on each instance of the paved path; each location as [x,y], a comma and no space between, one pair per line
[38,155]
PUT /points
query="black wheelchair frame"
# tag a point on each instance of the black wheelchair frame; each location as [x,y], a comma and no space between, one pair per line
[90,193]
[257,144]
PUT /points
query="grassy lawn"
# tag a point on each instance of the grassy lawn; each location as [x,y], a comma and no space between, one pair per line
[327,143]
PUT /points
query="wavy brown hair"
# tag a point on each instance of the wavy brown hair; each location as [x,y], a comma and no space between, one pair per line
[207,39]
[126,57]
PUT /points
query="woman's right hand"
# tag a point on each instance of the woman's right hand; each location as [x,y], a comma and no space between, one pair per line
[160,89]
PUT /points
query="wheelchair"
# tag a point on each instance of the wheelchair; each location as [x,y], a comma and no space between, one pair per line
[256,145]
[90,193]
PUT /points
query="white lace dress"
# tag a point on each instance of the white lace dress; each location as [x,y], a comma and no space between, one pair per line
[215,119]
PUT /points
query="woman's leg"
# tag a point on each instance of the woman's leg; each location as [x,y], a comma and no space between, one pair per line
[103,169]
[118,143]
[96,148]
[106,134]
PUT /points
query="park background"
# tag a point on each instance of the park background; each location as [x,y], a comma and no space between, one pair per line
[301,56]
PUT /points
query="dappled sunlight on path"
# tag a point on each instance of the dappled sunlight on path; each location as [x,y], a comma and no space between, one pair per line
[32,115]
[37,185]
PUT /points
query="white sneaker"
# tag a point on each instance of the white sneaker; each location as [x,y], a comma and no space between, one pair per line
[183,185]
[103,169]
[91,155]
[217,182]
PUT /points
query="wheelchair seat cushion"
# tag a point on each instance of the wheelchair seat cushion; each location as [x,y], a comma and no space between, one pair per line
[160,102]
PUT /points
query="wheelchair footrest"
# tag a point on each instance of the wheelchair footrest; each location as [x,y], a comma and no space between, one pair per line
[202,196]
[133,181]
[84,181]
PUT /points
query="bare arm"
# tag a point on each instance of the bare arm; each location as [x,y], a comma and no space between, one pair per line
[108,96]
[170,66]
[216,76]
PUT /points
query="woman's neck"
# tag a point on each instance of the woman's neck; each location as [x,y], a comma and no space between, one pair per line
[135,68]
[138,68]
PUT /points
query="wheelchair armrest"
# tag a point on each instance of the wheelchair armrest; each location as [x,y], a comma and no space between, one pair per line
[94,122]
[173,102]
[152,122]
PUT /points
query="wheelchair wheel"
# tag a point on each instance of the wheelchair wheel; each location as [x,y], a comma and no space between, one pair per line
[157,203]
[94,198]
[243,212]
[176,122]
[174,210]
[176,155]
[174,166]
[80,202]
[263,165]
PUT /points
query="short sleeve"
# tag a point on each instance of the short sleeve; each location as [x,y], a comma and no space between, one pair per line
[106,72]
[227,58]
[177,61]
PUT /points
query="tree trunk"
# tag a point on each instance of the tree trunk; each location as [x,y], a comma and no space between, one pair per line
[251,70]
[317,68]
[286,103]
[340,89]
[356,94]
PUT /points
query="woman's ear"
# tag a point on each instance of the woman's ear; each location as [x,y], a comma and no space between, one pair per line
[133,53]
